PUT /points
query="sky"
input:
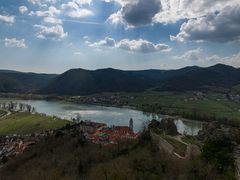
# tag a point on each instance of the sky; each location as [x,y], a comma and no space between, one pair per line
[53,36]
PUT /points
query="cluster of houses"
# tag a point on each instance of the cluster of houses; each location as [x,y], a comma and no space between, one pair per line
[196,97]
[12,145]
[15,106]
[100,99]
[233,97]
[100,133]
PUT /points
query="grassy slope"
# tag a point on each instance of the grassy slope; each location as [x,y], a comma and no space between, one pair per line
[214,104]
[66,158]
[2,113]
[23,123]
[180,148]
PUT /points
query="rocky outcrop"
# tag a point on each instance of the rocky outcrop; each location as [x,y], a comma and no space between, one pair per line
[166,125]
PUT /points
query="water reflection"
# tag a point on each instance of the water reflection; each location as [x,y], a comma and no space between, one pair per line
[108,115]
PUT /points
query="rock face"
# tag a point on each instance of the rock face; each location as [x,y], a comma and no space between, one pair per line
[165,125]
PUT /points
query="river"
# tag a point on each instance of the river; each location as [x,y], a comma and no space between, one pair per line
[108,115]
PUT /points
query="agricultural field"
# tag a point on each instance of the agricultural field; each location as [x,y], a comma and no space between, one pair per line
[24,123]
[2,113]
[187,104]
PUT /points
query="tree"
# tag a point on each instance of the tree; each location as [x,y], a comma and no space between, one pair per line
[219,152]
[78,117]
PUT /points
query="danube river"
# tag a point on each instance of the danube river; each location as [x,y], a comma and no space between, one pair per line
[108,115]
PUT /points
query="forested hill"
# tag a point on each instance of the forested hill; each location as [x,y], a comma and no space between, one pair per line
[81,81]
[19,82]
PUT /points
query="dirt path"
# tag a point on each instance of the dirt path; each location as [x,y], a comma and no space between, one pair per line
[165,145]
[8,113]
[162,143]
[179,138]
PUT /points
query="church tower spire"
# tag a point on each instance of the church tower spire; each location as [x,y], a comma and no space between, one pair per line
[131,124]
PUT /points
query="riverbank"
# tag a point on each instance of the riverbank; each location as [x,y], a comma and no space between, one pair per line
[200,106]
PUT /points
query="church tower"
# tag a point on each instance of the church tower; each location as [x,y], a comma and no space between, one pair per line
[131,124]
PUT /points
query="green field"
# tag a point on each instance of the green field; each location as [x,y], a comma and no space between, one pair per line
[2,113]
[24,123]
[209,106]
[179,147]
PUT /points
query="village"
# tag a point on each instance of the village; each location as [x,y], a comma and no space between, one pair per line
[13,145]
[98,133]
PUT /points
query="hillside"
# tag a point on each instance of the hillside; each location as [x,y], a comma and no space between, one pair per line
[81,82]
[197,78]
[67,154]
[18,82]
[24,123]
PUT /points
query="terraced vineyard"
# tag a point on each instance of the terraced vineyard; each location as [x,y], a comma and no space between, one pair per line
[24,123]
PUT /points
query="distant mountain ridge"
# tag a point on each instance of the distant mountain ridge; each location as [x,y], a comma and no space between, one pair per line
[20,82]
[82,82]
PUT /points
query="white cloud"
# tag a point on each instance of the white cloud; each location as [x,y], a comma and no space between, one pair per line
[142,12]
[52,20]
[78,53]
[136,12]
[13,42]
[233,60]
[83,2]
[74,9]
[222,26]
[53,32]
[51,12]
[42,2]
[140,45]
[7,19]
[23,9]
[107,42]
[198,56]
[174,10]
[191,55]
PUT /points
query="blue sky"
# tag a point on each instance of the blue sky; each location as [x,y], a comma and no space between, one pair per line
[56,35]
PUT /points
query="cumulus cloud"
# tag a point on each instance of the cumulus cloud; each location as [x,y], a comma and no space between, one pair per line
[175,10]
[140,45]
[52,20]
[53,32]
[198,56]
[136,12]
[23,9]
[75,9]
[51,12]
[42,2]
[83,2]
[7,19]
[77,53]
[13,42]
[220,26]
[191,55]
[233,60]
[142,12]
[107,42]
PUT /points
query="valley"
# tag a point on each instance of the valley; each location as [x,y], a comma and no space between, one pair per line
[194,126]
